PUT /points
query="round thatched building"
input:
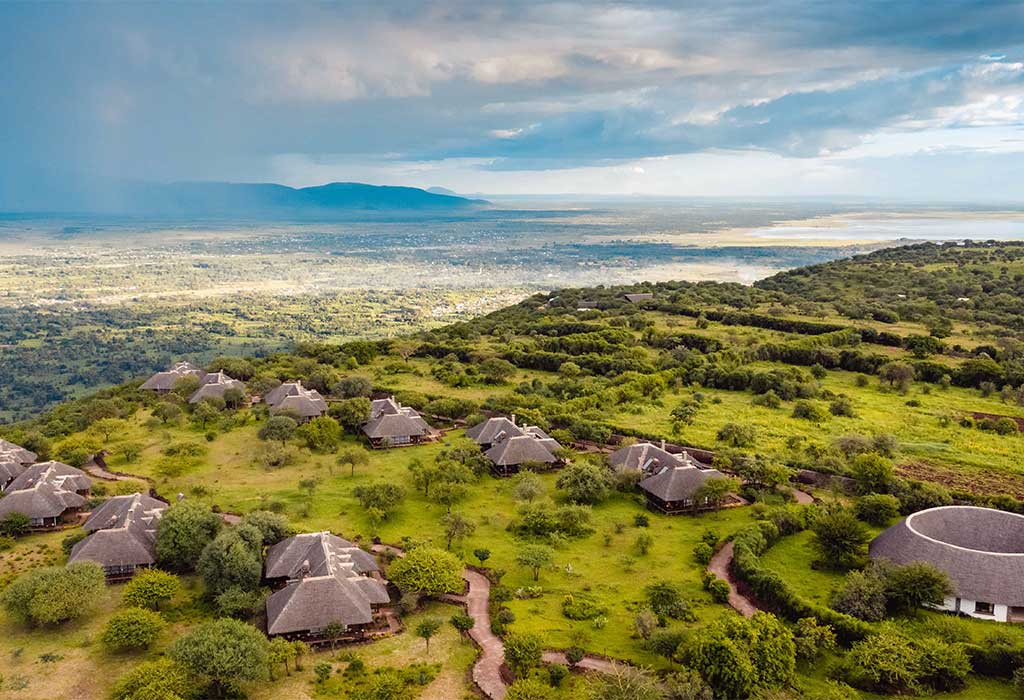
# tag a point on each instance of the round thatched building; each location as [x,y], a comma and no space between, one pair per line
[980,549]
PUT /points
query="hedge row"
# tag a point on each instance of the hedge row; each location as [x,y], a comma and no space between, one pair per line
[769,588]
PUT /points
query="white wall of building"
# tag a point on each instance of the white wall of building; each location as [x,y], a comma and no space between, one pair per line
[1000,613]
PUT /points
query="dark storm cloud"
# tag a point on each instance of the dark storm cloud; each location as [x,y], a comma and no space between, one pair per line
[182,91]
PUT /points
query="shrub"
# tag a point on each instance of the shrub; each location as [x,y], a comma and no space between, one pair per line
[69,542]
[703,552]
[891,662]
[580,607]
[812,639]
[737,655]
[427,570]
[131,628]
[15,525]
[523,652]
[862,596]
[719,590]
[531,688]
[809,411]
[149,588]
[877,508]
[840,537]
[53,595]
[162,678]
[667,601]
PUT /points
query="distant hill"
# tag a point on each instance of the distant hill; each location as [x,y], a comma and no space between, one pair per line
[224,198]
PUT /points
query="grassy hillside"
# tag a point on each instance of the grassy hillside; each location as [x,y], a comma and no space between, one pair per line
[786,374]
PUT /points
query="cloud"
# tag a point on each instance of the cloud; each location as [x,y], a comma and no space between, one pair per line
[187,91]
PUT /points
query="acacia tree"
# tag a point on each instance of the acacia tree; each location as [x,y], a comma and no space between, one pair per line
[714,491]
[280,651]
[232,560]
[898,374]
[167,411]
[448,493]
[334,631]
[204,412]
[535,557]
[108,426]
[737,434]
[352,458]
[353,412]
[456,527]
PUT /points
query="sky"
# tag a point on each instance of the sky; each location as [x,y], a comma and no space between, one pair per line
[912,99]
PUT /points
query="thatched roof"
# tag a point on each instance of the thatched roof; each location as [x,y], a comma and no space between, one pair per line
[678,483]
[389,419]
[317,553]
[314,603]
[644,456]
[302,405]
[118,511]
[9,452]
[485,433]
[636,298]
[215,384]
[292,390]
[57,473]
[44,500]
[518,449]
[9,470]
[980,549]
[123,532]
[164,381]
[326,584]
[45,490]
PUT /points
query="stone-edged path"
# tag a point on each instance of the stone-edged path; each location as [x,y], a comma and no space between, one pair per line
[719,566]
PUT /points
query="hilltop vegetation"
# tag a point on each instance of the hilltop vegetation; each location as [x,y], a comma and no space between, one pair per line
[771,380]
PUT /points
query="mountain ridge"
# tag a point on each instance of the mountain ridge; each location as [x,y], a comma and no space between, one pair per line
[213,198]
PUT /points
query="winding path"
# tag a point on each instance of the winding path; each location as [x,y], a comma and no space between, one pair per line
[487,669]
[719,566]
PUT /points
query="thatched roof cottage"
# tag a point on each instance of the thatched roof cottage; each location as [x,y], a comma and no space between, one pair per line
[327,580]
[123,535]
[394,425]
[293,398]
[675,488]
[647,458]
[214,385]
[163,382]
[48,494]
